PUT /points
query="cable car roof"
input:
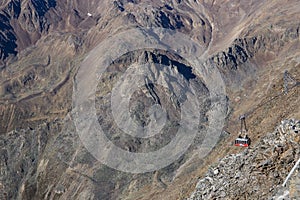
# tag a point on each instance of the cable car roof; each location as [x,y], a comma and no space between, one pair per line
[242,139]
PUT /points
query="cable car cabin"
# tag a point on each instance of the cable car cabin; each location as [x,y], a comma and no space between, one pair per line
[242,142]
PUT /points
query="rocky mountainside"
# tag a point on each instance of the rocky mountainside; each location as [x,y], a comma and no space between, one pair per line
[22,24]
[257,172]
[43,46]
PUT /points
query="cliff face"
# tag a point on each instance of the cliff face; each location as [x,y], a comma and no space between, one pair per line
[8,39]
[42,46]
[22,24]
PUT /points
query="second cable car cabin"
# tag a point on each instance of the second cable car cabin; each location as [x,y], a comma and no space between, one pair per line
[243,141]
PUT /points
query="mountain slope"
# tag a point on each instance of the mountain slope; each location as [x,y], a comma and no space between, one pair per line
[42,46]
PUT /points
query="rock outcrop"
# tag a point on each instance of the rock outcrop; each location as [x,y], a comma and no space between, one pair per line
[243,49]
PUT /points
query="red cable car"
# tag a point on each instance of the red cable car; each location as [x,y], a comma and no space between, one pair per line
[243,141]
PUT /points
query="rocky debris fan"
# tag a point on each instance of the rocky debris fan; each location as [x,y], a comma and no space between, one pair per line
[258,172]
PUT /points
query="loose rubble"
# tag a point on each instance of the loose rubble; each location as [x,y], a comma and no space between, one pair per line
[258,172]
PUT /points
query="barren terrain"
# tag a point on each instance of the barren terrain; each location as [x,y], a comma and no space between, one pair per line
[43,44]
